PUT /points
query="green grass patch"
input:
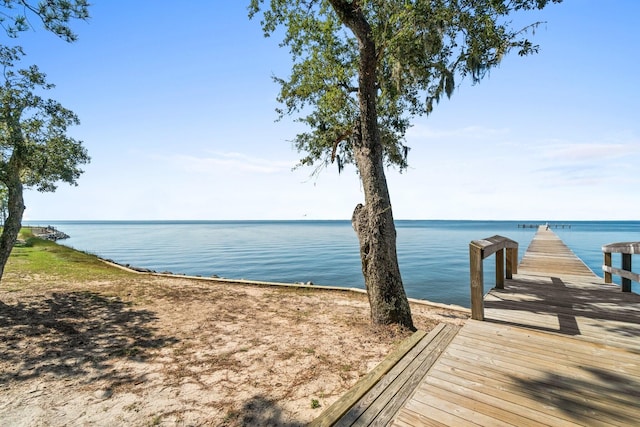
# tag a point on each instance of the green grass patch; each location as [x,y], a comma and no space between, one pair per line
[32,255]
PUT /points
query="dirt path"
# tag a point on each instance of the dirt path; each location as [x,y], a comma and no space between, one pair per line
[172,351]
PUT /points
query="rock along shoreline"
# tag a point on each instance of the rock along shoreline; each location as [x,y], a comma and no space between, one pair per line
[48,233]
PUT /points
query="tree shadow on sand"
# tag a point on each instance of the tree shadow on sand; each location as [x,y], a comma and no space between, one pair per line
[260,411]
[73,334]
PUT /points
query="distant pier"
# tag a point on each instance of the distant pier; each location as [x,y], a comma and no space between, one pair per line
[548,225]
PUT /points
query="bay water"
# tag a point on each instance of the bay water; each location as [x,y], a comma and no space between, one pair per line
[433,255]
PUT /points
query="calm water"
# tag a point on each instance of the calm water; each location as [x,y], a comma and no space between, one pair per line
[433,255]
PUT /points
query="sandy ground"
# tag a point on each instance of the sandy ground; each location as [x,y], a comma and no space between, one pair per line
[172,351]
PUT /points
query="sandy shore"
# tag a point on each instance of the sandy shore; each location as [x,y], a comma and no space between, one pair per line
[148,350]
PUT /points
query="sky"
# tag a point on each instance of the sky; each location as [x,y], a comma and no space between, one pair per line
[177,108]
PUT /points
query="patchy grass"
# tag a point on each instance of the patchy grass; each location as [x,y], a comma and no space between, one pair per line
[37,257]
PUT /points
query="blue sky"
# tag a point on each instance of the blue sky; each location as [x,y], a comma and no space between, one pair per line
[177,110]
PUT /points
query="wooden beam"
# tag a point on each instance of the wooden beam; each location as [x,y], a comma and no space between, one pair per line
[607,263]
[477,281]
[512,262]
[622,273]
[500,269]
[493,244]
[626,266]
[622,248]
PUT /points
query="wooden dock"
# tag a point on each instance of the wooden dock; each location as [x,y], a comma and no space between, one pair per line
[558,347]
[554,291]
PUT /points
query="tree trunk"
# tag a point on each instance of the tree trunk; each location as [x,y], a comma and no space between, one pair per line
[373,222]
[377,235]
[376,232]
[14,221]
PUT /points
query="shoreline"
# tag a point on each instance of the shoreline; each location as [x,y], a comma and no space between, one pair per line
[53,234]
[145,271]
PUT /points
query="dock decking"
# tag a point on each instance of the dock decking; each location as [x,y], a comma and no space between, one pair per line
[554,291]
[557,347]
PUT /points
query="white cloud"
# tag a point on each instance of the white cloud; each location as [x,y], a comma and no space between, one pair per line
[578,152]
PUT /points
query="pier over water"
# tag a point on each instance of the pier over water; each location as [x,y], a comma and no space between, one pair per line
[546,225]
[558,346]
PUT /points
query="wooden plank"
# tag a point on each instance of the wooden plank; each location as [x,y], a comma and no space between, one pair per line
[499,407]
[592,388]
[330,415]
[462,406]
[417,415]
[456,413]
[622,273]
[546,397]
[588,310]
[410,419]
[511,335]
[588,333]
[491,245]
[374,401]
[404,366]
[503,386]
[397,397]
[561,320]
[622,248]
[546,389]
[603,312]
[553,349]
[521,365]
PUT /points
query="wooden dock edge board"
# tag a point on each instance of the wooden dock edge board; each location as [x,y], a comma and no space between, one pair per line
[433,351]
[334,412]
[384,399]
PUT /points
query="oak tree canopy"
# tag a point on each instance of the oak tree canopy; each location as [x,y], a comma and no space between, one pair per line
[362,70]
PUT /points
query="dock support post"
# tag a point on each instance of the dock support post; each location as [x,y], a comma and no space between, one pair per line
[478,251]
[512,262]
[500,269]
[626,265]
[607,261]
[477,279]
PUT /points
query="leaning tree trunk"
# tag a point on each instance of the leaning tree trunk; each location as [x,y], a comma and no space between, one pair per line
[14,221]
[373,222]
[376,232]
